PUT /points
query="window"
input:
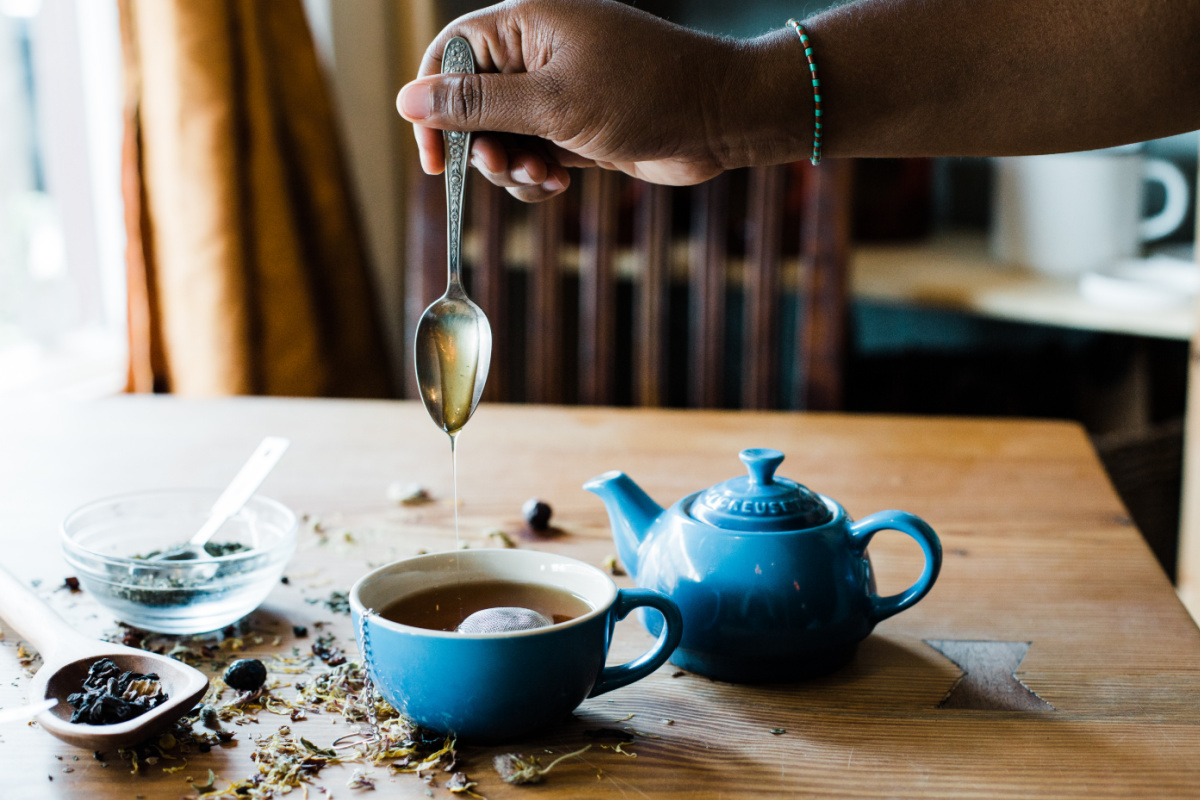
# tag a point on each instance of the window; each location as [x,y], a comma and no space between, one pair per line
[62,295]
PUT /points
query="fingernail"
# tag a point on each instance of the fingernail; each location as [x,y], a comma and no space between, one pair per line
[521,175]
[413,101]
[552,185]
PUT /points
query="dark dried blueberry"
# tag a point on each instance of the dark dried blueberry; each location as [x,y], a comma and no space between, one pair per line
[284,580]
[537,513]
[299,631]
[246,674]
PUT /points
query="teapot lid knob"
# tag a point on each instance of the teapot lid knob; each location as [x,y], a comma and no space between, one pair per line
[762,463]
[760,501]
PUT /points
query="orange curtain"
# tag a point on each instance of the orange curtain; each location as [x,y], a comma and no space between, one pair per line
[247,269]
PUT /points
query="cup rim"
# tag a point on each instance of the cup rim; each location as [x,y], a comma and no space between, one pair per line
[70,544]
[359,609]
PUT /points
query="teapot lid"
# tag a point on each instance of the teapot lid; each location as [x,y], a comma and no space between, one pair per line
[760,501]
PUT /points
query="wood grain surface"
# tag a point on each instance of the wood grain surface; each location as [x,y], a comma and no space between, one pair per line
[1038,551]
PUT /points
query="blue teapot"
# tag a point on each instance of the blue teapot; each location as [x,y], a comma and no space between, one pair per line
[772,578]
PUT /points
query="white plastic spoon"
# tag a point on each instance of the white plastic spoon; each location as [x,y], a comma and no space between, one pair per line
[244,484]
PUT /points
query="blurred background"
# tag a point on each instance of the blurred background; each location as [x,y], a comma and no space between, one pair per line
[219,198]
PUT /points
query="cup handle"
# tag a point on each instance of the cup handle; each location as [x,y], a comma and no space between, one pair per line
[861,533]
[1175,206]
[625,674]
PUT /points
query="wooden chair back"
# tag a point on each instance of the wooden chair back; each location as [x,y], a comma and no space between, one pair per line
[732,293]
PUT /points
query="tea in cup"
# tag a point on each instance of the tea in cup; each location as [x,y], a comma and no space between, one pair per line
[418,623]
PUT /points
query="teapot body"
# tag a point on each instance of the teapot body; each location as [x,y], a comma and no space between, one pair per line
[772,579]
[768,606]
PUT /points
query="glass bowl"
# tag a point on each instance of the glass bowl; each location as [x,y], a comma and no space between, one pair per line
[103,540]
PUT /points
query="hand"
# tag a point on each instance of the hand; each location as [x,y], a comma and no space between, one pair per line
[593,82]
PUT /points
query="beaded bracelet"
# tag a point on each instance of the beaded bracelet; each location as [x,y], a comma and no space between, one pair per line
[816,82]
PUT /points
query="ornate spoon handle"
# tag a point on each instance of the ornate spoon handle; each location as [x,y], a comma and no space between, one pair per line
[456,59]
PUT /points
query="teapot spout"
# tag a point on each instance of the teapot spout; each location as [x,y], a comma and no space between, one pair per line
[631,513]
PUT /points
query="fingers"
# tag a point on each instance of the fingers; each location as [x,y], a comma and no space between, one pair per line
[488,102]
[557,181]
[527,175]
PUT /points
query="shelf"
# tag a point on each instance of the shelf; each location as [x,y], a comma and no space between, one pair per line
[954,273]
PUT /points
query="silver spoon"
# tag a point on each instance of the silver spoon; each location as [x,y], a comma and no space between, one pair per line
[67,655]
[453,344]
[249,478]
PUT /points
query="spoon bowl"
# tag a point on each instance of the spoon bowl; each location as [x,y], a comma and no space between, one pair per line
[453,355]
[68,655]
[453,344]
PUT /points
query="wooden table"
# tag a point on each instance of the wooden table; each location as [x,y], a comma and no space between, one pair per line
[1038,552]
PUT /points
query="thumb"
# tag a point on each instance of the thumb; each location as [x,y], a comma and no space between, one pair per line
[504,103]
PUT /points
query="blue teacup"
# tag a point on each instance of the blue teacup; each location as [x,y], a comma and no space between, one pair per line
[500,686]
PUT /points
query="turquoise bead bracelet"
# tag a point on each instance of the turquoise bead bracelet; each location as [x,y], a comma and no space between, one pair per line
[816,82]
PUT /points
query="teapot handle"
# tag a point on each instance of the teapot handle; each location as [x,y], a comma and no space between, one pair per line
[861,533]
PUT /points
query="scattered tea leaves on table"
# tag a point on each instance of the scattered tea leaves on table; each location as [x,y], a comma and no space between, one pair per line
[360,780]
[778,731]
[324,649]
[299,631]
[613,566]
[405,493]
[498,538]
[72,583]
[320,751]
[209,784]
[459,783]
[519,769]
[338,601]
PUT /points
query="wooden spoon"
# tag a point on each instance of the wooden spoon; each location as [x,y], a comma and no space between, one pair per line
[67,655]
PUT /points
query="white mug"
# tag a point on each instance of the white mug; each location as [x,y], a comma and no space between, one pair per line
[1069,213]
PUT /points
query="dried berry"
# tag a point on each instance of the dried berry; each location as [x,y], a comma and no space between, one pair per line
[324,649]
[537,513]
[246,674]
[71,583]
[299,631]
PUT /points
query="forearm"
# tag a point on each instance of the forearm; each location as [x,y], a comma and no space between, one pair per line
[985,77]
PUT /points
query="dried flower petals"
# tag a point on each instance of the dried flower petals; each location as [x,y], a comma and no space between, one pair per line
[360,780]
[404,493]
[518,769]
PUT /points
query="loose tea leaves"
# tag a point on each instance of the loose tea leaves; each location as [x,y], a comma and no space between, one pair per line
[110,696]
[324,649]
[338,602]
[459,783]
[518,769]
[214,549]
